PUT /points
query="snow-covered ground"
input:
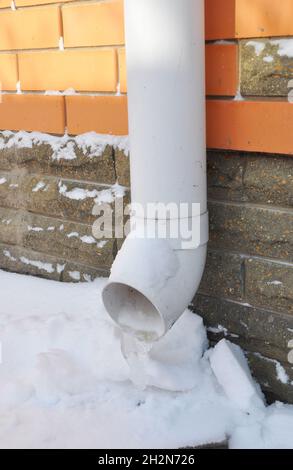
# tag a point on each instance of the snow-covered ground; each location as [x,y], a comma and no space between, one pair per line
[64,382]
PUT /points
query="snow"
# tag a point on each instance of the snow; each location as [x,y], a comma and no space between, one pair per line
[67,92]
[103,196]
[281,374]
[224,42]
[269,59]
[285,47]
[73,235]
[77,194]
[274,431]
[171,363]
[60,268]
[66,384]
[238,96]
[218,329]
[63,147]
[231,369]
[9,255]
[3,180]
[48,267]
[275,283]
[75,275]
[118,89]
[88,239]
[61,43]
[259,47]
[39,186]
[34,229]
[290,355]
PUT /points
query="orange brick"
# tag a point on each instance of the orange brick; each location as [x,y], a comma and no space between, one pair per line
[220,19]
[258,126]
[30,28]
[221,70]
[122,70]
[87,70]
[5,3]
[102,114]
[33,113]
[8,72]
[23,3]
[262,18]
[93,24]
[248,18]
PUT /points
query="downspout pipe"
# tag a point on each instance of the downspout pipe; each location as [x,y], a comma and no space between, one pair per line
[153,280]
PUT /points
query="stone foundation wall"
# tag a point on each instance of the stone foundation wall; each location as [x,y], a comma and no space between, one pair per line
[247,291]
[46,208]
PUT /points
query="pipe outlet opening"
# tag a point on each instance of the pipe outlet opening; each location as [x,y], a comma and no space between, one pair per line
[133,312]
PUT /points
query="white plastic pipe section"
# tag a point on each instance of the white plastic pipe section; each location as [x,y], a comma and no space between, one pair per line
[153,280]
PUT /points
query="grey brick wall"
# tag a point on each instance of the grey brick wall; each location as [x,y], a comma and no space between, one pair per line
[246,294]
[43,230]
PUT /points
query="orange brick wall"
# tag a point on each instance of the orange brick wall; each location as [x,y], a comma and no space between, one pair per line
[93,63]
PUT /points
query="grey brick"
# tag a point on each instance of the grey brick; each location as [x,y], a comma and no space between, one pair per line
[225,176]
[253,230]
[255,329]
[269,284]
[269,180]
[40,159]
[246,177]
[56,197]
[67,240]
[264,370]
[74,272]
[25,261]
[11,226]
[122,167]
[223,275]
[264,72]
[52,196]
[11,194]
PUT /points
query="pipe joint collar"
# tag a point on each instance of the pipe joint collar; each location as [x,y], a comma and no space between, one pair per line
[181,233]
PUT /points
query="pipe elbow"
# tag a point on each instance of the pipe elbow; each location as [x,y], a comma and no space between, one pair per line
[151,284]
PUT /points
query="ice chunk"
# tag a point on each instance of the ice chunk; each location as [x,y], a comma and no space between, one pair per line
[171,363]
[232,372]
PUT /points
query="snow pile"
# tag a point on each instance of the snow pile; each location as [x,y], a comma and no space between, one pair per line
[173,363]
[63,147]
[231,369]
[65,383]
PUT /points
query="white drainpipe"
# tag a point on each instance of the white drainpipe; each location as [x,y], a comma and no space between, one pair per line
[153,281]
